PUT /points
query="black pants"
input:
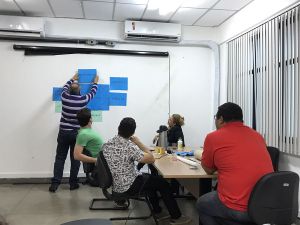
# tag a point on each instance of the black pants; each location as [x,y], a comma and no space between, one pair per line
[66,140]
[151,184]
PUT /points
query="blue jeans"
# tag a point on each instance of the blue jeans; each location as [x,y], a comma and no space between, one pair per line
[211,211]
[66,140]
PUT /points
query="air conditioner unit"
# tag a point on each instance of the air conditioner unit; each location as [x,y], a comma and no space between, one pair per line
[152,31]
[21,26]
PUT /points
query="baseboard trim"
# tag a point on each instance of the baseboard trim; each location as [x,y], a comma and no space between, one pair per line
[34,180]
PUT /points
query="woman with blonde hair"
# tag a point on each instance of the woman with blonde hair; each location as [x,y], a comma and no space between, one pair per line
[175,132]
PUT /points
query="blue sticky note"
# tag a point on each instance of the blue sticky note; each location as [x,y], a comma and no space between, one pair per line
[85,88]
[56,94]
[117,99]
[103,90]
[86,75]
[119,83]
[99,104]
[101,99]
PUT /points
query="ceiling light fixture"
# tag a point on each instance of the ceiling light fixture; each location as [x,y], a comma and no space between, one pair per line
[164,7]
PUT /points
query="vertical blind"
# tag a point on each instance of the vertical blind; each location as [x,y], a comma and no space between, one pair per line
[263,78]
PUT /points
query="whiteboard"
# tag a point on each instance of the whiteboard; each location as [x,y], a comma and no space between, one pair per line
[30,124]
[30,119]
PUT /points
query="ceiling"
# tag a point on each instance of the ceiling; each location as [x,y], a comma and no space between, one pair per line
[205,13]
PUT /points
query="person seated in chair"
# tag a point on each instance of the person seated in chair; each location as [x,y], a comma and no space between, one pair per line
[239,155]
[121,153]
[87,139]
[175,133]
[88,144]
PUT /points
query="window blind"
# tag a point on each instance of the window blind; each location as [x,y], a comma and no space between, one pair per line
[263,78]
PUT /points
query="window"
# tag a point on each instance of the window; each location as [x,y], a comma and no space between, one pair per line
[263,78]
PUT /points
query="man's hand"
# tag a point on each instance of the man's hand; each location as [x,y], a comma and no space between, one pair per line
[96,79]
[135,139]
[75,77]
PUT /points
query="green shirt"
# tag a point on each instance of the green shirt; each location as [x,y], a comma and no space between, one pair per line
[90,140]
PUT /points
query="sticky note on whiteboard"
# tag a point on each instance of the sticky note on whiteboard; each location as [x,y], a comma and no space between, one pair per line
[119,83]
[86,75]
[117,99]
[101,99]
[97,116]
[56,94]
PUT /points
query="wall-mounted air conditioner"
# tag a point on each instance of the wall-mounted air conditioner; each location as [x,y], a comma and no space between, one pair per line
[152,31]
[21,26]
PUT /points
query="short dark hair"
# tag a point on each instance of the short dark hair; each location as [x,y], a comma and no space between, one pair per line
[83,116]
[230,112]
[127,127]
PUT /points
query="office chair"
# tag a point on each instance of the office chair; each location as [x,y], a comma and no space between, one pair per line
[90,171]
[274,154]
[105,182]
[273,200]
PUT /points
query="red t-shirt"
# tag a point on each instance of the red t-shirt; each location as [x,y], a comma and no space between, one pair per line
[240,156]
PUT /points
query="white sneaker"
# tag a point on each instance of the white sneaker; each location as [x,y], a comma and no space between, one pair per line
[181,220]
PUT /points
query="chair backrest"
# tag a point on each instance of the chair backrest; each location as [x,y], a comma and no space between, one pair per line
[274,199]
[103,172]
[274,154]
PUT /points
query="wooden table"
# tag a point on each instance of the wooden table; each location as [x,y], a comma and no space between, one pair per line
[195,180]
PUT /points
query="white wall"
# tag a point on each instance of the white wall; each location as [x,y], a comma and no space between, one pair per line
[30,125]
[113,30]
[250,16]
[253,14]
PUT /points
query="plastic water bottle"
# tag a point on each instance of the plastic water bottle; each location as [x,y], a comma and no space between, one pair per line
[179,145]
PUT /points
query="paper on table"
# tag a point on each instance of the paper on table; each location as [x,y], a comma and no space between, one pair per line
[189,162]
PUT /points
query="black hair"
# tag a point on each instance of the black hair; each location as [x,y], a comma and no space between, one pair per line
[127,127]
[230,112]
[83,116]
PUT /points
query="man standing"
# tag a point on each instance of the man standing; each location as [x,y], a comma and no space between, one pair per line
[72,102]
[121,153]
[240,156]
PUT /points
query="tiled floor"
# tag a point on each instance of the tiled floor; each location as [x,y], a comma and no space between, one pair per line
[34,205]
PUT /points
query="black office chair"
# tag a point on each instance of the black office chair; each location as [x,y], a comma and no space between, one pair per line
[274,154]
[273,200]
[105,182]
[90,171]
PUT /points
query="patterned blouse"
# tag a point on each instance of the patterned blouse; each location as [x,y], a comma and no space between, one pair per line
[120,154]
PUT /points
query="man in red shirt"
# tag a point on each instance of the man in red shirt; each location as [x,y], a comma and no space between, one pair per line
[239,155]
